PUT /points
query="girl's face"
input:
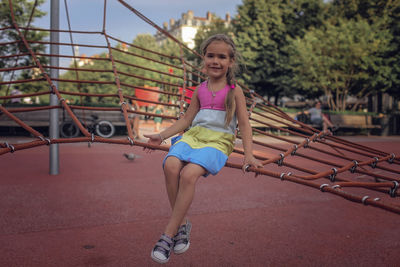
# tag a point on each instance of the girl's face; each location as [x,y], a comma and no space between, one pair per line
[217,59]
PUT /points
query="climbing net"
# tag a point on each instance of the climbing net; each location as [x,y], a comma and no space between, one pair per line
[340,167]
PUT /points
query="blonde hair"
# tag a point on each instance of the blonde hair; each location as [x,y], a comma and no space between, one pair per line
[230,104]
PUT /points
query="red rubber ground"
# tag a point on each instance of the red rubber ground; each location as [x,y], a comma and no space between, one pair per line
[103,210]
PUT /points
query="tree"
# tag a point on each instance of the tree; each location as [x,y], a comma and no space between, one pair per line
[383,16]
[22,10]
[263,31]
[341,59]
[137,65]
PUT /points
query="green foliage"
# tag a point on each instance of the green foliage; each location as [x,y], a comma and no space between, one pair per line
[137,65]
[339,60]
[263,34]
[22,11]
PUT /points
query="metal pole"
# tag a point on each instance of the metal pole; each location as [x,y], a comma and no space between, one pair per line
[54,61]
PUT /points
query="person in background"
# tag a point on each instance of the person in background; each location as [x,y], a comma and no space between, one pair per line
[134,119]
[318,118]
[158,120]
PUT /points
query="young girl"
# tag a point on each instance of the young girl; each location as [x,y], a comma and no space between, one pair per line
[216,106]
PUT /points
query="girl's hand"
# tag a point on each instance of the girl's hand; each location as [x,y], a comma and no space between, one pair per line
[251,161]
[154,139]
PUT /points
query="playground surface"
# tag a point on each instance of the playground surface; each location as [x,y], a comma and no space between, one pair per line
[104,210]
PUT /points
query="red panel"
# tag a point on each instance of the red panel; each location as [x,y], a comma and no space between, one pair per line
[144,94]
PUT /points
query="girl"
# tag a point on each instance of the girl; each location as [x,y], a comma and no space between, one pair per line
[215,107]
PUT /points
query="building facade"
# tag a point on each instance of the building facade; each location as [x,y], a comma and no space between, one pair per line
[186,27]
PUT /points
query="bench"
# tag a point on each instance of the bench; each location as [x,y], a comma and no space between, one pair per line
[357,123]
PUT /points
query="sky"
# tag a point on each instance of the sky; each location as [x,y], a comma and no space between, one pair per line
[121,23]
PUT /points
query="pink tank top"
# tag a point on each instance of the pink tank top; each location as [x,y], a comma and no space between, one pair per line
[210,100]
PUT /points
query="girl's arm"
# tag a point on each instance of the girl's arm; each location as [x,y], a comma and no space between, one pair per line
[179,125]
[245,129]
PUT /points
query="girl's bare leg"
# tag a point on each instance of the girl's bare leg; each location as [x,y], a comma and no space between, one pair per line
[172,170]
[188,178]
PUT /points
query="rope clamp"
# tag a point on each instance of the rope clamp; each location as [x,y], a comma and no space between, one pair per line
[393,190]
[333,175]
[322,187]
[363,200]
[44,139]
[283,175]
[294,150]
[315,137]
[280,161]
[336,186]
[353,169]
[306,144]
[130,141]
[11,147]
[373,164]
[246,168]
[392,156]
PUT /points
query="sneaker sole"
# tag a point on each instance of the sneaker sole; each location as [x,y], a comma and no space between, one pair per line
[157,259]
[182,250]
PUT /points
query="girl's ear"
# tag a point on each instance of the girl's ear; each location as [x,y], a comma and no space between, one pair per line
[231,62]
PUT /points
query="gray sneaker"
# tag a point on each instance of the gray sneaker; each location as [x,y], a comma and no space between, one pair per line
[162,249]
[182,238]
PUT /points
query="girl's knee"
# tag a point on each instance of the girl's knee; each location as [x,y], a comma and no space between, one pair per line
[188,177]
[172,165]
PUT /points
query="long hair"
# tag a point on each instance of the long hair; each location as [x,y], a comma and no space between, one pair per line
[230,104]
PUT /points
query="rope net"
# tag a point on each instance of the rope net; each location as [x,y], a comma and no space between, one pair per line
[334,165]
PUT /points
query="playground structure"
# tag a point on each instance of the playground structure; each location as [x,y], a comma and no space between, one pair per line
[336,170]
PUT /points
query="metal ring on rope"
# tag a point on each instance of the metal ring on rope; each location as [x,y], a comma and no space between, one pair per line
[294,150]
[373,164]
[11,147]
[280,161]
[364,199]
[391,159]
[282,176]
[336,186]
[246,168]
[130,141]
[306,144]
[333,175]
[315,138]
[322,187]
[392,191]
[353,169]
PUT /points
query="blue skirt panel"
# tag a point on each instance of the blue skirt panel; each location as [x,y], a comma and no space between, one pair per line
[209,158]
